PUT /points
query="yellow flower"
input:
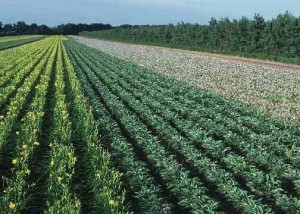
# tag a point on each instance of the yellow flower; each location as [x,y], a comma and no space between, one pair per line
[52,163]
[59,179]
[12,205]
[112,202]
[28,171]
[14,161]
[73,160]
[1,117]
[17,133]
[24,146]
[36,143]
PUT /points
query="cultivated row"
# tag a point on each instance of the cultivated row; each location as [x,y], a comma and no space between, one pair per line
[51,158]
[213,146]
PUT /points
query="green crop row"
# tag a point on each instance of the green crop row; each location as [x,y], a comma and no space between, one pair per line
[142,185]
[85,132]
[226,185]
[16,76]
[27,141]
[96,161]
[218,139]
[17,57]
[211,122]
[62,158]
[15,38]
[29,82]
[5,44]
[49,143]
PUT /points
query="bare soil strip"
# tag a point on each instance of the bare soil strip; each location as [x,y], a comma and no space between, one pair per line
[221,56]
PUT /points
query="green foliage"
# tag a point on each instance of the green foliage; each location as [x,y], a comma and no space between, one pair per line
[44,116]
[13,42]
[104,182]
[179,149]
[277,39]
[207,151]
[27,141]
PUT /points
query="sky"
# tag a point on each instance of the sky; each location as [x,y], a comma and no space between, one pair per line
[117,12]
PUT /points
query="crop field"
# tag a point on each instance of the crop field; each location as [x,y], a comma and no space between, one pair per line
[83,131]
[48,139]
[12,41]
[273,88]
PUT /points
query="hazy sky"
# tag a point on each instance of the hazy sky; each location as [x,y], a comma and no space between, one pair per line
[116,12]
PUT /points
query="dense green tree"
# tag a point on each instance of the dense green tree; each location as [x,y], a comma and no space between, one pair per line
[8,28]
[21,28]
[276,38]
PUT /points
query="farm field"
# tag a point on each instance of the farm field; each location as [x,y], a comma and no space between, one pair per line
[272,87]
[50,158]
[194,151]
[82,131]
[12,41]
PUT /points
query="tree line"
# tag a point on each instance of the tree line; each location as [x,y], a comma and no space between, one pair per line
[21,28]
[277,39]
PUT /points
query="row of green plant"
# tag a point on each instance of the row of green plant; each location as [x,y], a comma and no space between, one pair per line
[260,183]
[11,71]
[103,181]
[62,157]
[189,190]
[229,130]
[239,119]
[18,41]
[13,78]
[28,78]
[137,175]
[246,120]
[16,187]
[50,95]
[171,135]
[14,38]
[180,149]
[14,57]
[230,157]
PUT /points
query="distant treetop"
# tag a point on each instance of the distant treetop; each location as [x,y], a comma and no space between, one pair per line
[21,28]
